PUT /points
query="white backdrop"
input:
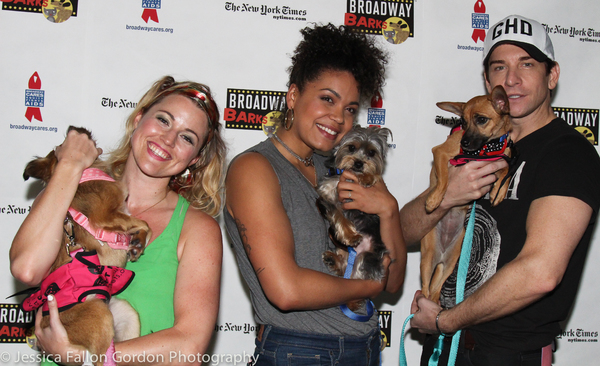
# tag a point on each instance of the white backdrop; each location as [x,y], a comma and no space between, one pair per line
[93,66]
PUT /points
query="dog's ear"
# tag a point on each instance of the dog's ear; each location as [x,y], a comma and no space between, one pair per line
[41,168]
[452,107]
[80,130]
[500,100]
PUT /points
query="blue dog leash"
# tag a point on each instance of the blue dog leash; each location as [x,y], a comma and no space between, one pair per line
[463,268]
[349,313]
[370,307]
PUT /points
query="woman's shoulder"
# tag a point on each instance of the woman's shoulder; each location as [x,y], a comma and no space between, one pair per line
[250,166]
[198,219]
[199,228]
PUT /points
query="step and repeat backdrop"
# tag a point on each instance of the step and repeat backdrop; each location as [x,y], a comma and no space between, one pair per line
[87,63]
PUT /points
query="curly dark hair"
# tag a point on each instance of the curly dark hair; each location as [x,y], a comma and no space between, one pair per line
[327,47]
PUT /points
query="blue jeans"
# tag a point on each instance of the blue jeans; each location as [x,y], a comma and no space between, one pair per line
[287,347]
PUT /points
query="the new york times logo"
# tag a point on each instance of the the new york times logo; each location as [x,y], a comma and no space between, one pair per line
[579,336]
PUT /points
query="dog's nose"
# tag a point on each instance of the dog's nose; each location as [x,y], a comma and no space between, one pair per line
[358,165]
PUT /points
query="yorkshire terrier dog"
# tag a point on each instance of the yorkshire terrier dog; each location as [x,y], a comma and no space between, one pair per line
[362,151]
[99,238]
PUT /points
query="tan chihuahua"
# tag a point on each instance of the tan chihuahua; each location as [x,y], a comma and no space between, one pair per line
[486,124]
[99,238]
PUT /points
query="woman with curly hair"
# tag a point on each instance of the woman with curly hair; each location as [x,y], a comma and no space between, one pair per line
[171,157]
[277,231]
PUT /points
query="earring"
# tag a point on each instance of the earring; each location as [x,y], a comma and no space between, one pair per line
[186,173]
[288,119]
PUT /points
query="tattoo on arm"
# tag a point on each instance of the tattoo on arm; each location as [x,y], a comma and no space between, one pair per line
[259,271]
[242,231]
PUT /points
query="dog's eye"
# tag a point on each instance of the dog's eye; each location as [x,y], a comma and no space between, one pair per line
[371,153]
[351,148]
[480,120]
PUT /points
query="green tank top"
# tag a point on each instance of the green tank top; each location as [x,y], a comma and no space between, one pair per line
[151,291]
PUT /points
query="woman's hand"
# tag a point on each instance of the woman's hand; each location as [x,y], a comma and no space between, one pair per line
[78,150]
[53,340]
[375,200]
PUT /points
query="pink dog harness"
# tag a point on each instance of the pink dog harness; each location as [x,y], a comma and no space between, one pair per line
[73,282]
[114,240]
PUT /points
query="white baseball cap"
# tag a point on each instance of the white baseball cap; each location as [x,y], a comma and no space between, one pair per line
[520,31]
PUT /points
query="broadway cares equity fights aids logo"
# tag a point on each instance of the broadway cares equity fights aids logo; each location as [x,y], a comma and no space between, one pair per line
[480,22]
[150,10]
[393,19]
[254,109]
[34,98]
[55,11]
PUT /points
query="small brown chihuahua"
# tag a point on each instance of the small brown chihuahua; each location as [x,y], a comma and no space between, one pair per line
[96,224]
[486,124]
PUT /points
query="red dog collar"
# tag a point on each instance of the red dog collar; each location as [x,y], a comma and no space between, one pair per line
[492,150]
[71,283]
[114,240]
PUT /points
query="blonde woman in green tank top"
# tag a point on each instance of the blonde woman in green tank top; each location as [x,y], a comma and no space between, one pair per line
[170,158]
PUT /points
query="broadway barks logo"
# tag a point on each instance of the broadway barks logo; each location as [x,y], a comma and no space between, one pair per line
[14,323]
[385,326]
[393,19]
[581,119]
[56,11]
[253,109]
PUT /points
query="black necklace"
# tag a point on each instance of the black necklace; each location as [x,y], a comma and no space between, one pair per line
[308,161]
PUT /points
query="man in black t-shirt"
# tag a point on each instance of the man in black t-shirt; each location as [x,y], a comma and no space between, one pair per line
[528,252]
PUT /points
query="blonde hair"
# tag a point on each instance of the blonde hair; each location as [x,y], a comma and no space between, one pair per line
[202,186]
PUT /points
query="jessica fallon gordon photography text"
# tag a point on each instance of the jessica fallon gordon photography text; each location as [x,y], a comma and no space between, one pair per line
[206,359]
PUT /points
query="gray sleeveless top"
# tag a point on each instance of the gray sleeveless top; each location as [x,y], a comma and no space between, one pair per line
[311,239]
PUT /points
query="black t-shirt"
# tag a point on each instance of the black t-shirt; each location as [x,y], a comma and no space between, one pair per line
[554,160]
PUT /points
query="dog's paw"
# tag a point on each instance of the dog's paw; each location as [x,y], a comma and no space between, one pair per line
[432,203]
[137,243]
[355,305]
[333,262]
[329,258]
[353,240]
[368,180]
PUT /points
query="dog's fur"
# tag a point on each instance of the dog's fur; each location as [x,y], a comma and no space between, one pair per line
[363,152]
[484,118]
[90,324]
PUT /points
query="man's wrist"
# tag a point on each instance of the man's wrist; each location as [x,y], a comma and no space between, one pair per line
[439,327]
